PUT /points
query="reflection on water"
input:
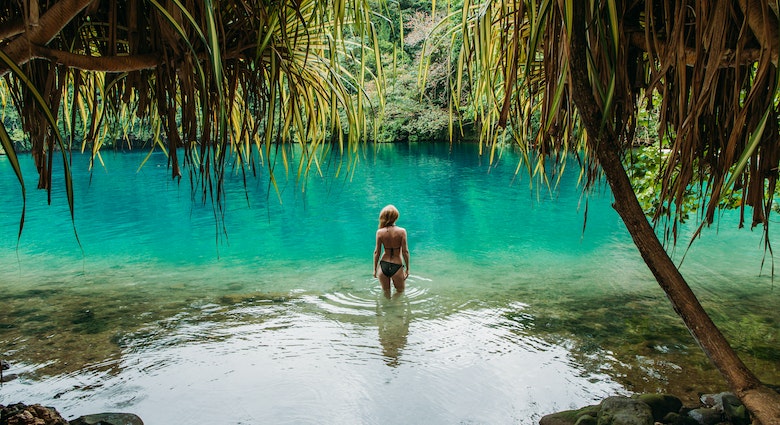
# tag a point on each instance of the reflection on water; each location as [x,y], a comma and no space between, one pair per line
[392,321]
[515,312]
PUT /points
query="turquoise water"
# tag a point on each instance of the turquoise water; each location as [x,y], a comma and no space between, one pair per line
[513,310]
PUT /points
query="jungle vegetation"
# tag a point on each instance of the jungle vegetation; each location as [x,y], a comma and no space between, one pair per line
[218,81]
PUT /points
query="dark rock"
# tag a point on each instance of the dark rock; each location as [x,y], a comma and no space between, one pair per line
[8,377]
[734,411]
[678,419]
[706,415]
[624,411]
[5,377]
[714,400]
[35,414]
[571,417]
[108,419]
[729,405]
[586,420]
[661,404]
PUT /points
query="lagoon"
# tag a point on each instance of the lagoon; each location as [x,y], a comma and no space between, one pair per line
[517,305]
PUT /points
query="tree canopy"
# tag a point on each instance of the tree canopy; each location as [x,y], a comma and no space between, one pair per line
[708,67]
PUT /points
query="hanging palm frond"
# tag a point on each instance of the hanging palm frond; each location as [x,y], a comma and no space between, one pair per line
[214,79]
[714,64]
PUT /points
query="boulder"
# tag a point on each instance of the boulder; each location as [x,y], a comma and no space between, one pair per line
[624,411]
[661,404]
[582,416]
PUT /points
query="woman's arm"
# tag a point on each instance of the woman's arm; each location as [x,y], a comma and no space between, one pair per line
[377,250]
[405,252]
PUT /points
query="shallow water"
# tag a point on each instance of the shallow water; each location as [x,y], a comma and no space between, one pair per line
[513,311]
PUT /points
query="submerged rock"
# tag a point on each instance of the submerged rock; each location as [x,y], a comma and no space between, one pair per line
[8,377]
[108,419]
[5,377]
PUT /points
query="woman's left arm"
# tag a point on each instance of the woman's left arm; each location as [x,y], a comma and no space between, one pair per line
[377,250]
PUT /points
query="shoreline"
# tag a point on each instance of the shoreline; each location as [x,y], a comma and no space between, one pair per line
[640,409]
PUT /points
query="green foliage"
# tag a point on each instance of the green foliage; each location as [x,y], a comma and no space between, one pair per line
[644,167]
[13,125]
[407,117]
[411,112]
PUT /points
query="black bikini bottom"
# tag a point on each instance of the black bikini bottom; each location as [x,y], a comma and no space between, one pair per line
[388,268]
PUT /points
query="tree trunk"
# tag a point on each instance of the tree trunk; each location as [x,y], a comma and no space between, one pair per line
[763,402]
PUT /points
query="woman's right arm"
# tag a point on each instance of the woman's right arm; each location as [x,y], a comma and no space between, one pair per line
[405,252]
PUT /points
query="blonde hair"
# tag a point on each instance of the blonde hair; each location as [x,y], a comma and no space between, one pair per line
[388,216]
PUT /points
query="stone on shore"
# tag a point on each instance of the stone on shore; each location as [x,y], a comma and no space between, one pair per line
[661,404]
[650,409]
[729,406]
[624,411]
[35,414]
[585,416]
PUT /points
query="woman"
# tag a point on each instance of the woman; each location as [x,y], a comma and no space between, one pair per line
[391,239]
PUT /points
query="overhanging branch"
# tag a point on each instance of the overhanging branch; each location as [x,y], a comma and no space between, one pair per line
[728,59]
[11,29]
[97,63]
[50,24]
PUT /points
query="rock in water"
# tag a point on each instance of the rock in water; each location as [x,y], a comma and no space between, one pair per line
[7,377]
[108,419]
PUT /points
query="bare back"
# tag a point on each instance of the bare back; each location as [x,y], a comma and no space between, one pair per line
[391,243]
[393,240]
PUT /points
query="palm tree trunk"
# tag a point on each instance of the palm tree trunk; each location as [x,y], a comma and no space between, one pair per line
[763,402]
